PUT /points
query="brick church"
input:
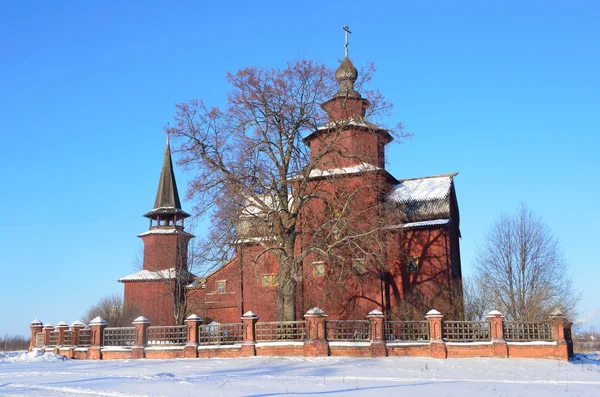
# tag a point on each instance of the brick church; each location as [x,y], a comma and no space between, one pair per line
[417,245]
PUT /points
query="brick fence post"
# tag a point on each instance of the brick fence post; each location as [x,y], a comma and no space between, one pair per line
[76,327]
[191,347]
[97,326]
[46,330]
[378,348]
[35,327]
[499,345]
[436,343]
[249,320]
[60,340]
[559,323]
[141,324]
[316,343]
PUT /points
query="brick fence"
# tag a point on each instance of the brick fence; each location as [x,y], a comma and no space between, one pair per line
[315,336]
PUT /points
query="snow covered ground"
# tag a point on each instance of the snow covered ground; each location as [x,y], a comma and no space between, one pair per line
[36,374]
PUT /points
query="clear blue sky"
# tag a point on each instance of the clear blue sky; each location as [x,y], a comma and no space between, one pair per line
[506,93]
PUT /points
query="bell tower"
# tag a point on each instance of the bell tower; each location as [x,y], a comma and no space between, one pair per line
[166,242]
[348,139]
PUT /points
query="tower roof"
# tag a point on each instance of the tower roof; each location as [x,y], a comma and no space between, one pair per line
[167,196]
[346,76]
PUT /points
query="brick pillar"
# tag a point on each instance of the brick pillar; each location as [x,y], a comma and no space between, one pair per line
[558,321]
[76,327]
[436,344]
[249,319]
[316,343]
[46,330]
[35,327]
[191,347]
[499,345]
[97,326]
[61,327]
[141,324]
[378,348]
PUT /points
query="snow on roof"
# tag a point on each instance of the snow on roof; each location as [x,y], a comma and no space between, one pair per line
[422,188]
[354,122]
[435,222]
[148,275]
[170,230]
[363,167]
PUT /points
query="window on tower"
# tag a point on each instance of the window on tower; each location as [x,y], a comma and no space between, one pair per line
[412,264]
[221,286]
[318,269]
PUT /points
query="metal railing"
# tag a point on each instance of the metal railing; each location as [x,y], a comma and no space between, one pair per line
[39,339]
[167,335]
[348,330]
[53,338]
[519,331]
[85,337]
[466,331]
[123,336]
[406,331]
[220,334]
[68,338]
[280,331]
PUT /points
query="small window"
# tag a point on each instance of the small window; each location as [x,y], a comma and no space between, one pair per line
[358,265]
[412,264]
[269,280]
[221,287]
[318,269]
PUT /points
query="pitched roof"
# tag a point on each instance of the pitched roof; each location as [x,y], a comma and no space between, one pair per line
[423,199]
[427,188]
[167,196]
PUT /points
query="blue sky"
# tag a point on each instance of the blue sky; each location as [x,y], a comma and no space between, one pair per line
[505,93]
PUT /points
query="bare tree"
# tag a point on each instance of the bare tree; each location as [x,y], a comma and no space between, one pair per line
[254,176]
[523,269]
[174,280]
[113,310]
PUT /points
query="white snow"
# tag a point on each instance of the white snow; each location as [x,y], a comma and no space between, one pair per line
[41,375]
[145,274]
[363,167]
[422,189]
[435,222]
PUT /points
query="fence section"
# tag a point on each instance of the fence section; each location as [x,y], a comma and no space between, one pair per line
[124,336]
[167,335]
[518,331]
[53,338]
[221,334]
[39,339]
[406,331]
[68,338]
[466,331]
[348,330]
[85,337]
[281,331]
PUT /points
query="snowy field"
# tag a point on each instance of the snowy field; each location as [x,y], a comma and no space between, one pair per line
[36,374]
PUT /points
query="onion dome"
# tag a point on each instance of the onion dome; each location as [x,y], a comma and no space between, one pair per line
[346,76]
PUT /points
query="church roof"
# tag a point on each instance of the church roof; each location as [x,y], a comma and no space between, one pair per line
[167,196]
[422,202]
[427,188]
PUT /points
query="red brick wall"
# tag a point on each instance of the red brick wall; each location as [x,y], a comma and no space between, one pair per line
[153,300]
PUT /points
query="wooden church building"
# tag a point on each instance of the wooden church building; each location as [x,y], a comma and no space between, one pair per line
[418,259]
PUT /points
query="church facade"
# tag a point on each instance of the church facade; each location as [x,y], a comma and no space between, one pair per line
[410,258]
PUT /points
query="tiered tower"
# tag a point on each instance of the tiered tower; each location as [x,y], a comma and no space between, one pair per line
[157,290]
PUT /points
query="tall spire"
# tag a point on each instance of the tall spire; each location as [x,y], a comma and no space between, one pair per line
[167,196]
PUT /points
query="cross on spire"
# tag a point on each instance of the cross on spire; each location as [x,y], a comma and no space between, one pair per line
[347,29]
